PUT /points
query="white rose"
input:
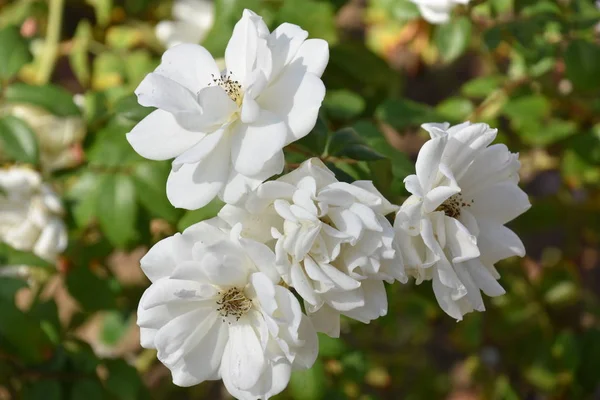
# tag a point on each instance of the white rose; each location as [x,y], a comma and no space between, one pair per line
[31,214]
[227,129]
[215,311]
[333,244]
[437,11]
[451,230]
[193,20]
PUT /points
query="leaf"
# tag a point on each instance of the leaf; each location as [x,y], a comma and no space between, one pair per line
[123,380]
[587,145]
[114,326]
[129,108]
[10,286]
[47,389]
[150,181]
[316,141]
[482,86]
[452,38]
[404,113]
[11,256]
[117,209]
[78,56]
[103,9]
[14,52]
[50,97]
[582,59]
[343,104]
[309,384]
[85,194]
[18,140]
[192,217]
[22,333]
[455,109]
[348,143]
[91,292]
[87,389]
[110,147]
[331,347]
[318,18]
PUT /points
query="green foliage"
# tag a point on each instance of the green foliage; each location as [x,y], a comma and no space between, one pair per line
[529,68]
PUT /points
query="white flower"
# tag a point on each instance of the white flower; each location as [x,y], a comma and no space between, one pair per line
[227,129]
[57,136]
[31,214]
[193,20]
[451,230]
[437,11]
[333,244]
[214,311]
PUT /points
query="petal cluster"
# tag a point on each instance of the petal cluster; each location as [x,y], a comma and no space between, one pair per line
[226,129]
[193,19]
[451,230]
[31,214]
[215,310]
[333,244]
[437,11]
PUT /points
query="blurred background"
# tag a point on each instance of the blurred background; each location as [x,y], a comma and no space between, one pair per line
[528,67]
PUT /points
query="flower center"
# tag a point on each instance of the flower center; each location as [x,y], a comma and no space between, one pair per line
[453,205]
[233,303]
[232,87]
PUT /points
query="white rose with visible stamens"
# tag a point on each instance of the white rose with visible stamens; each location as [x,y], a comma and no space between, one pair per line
[31,214]
[451,230]
[215,311]
[193,21]
[437,11]
[226,129]
[334,245]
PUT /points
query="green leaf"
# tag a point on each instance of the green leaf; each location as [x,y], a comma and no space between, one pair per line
[117,209]
[563,293]
[404,113]
[10,286]
[85,193]
[22,333]
[47,389]
[582,59]
[343,104]
[18,140]
[103,9]
[87,389]
[309,384]
[114,327]
[129,108]
[123,380]
[348,143]
[455,109]
[78,56]
[53,98]
[331,347]
[452,38]
[318,18]
[111,148]
[587,145]
[14,52]
[11,256]
[316,140]
[91,292]
[150,181]
[192,217]
[482,86]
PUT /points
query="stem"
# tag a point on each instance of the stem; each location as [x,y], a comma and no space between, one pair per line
[50,51]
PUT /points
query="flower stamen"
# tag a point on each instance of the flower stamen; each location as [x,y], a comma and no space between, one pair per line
[233,303]
[453,205]
[232,87]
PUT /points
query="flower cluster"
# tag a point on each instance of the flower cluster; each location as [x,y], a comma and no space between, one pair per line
[31,214]
[241,297]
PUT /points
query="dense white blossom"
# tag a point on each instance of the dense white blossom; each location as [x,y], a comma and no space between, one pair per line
[215,311]
[57,136]
[451,230]
[226,129]
[31,214]
[333,244]
[437,11]
[193,21]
